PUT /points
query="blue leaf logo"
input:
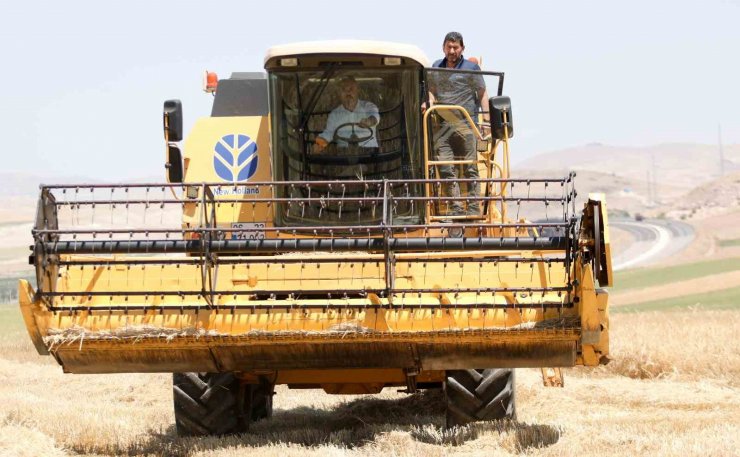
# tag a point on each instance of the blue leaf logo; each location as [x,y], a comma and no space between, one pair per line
[235,158]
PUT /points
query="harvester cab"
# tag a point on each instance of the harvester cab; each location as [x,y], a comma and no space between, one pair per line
[335,223]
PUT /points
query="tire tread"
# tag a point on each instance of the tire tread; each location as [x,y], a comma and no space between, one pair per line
[207,403]
[478,395]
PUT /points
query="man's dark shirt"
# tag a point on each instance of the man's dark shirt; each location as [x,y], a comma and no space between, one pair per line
[451,88]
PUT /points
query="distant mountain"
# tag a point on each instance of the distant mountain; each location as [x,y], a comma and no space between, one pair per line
[619,172]
[681,165]
[19,193]
[623,195]
[27,185]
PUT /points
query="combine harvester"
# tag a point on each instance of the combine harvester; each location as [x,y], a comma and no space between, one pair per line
[263,261]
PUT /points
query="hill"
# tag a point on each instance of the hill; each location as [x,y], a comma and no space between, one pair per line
[19,193]
[687,176]
[623,194]
[27,185]
[709,199]
[675,164]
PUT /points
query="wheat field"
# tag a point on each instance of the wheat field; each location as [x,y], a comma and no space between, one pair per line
[672,389]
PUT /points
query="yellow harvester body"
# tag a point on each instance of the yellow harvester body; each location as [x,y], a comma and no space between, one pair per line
[349,281]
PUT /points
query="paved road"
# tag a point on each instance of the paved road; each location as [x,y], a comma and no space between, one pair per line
[654,240]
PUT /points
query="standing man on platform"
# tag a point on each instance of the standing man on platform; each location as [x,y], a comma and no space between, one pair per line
[455,140]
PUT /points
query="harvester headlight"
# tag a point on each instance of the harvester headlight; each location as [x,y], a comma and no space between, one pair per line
[391,61]
[289,62]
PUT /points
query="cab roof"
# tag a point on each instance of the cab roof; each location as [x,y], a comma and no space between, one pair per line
[381,48]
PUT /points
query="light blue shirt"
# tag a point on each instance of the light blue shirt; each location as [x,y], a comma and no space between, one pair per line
[341,115]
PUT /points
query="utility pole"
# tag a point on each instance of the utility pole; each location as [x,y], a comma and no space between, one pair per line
[721,154]
[655,181]
[649,188]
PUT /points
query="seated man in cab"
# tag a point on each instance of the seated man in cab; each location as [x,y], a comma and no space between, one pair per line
[353,123]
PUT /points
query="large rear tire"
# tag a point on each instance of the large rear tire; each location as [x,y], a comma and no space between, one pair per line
[479,395]
[218,403]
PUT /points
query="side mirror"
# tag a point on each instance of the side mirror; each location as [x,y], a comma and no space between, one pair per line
[172,118]
[502,121]
[174,164]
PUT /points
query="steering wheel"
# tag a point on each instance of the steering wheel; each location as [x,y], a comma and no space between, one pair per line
[353,139]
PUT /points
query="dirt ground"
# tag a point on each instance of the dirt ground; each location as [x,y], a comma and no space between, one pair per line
[672,389]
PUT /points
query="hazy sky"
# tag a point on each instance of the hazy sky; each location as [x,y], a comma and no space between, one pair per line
[83,81]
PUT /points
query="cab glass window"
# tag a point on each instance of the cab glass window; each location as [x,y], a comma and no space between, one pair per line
[337,134]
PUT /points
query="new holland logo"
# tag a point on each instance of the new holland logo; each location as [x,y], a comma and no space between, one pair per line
[235,158]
